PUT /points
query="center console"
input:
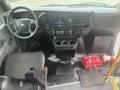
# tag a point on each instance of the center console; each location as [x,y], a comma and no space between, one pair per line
[67,27]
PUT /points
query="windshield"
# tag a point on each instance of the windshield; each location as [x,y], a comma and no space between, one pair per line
[34,3]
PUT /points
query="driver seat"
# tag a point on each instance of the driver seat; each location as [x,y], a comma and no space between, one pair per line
[18,64]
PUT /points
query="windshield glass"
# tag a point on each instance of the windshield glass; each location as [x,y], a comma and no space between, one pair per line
[34,3]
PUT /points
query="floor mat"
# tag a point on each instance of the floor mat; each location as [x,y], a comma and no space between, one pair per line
[105,86]
[90,78]
[64,74]
[61,79]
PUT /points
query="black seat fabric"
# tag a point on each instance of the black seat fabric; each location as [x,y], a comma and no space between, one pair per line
[18,64]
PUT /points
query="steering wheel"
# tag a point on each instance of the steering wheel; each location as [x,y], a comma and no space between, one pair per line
[24,27]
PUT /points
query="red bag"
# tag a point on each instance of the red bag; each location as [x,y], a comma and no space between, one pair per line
[92,61]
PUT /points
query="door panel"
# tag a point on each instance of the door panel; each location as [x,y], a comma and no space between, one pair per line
[7,41]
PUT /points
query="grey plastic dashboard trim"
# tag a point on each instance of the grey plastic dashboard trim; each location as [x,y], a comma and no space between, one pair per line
[76,9]
[106,20]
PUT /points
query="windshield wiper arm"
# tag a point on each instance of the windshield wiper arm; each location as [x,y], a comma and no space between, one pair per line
[92,4]
[55,5]
[117,5]
[83,4]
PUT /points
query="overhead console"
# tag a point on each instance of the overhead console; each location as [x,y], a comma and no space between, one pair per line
[66,27]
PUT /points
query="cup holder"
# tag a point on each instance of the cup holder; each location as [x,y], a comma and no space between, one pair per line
[58,42]
[72,42]
[65,43]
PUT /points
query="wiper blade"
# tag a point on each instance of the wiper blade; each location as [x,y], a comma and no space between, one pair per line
[54,5]
[117,5]
[82,4]
[92,4]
